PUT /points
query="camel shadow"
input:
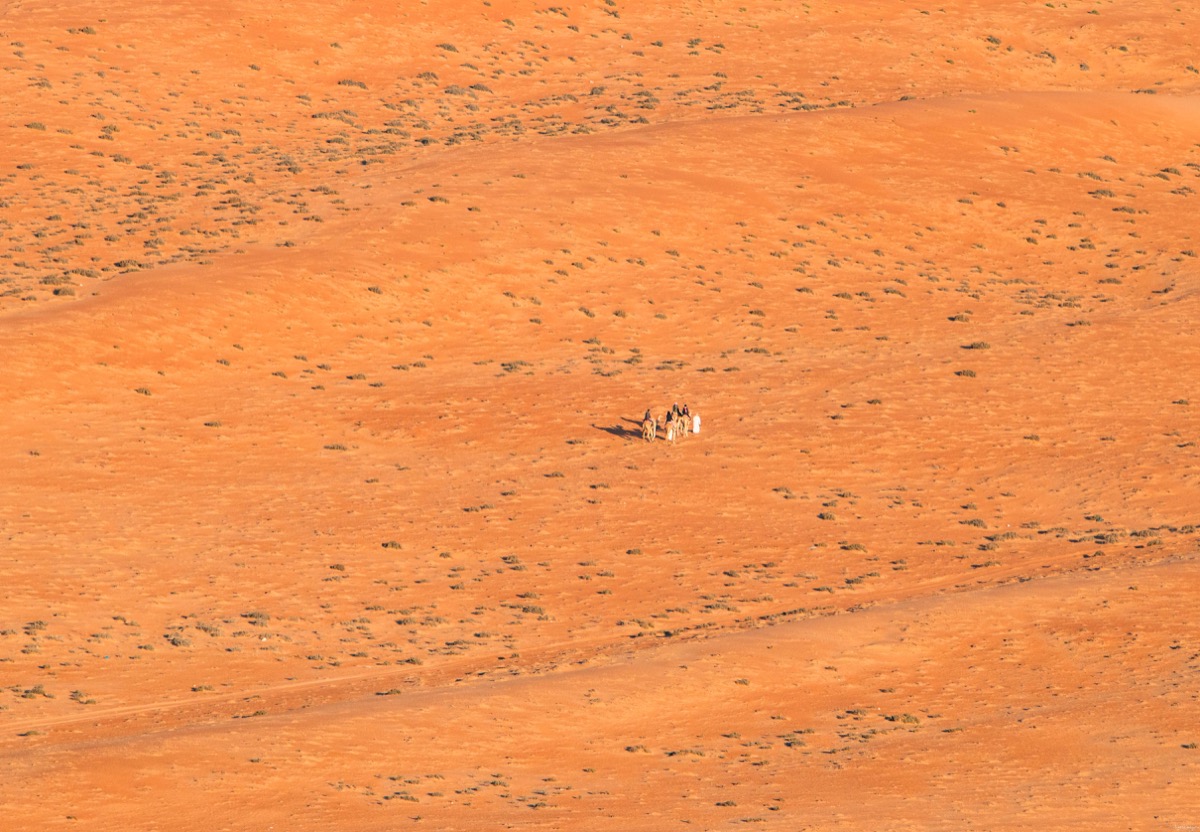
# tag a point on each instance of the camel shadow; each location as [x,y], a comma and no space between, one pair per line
[621,431]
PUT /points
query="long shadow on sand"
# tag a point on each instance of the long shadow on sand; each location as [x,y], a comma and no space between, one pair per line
[621,430]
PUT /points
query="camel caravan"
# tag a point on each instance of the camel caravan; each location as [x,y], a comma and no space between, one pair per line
[676,424]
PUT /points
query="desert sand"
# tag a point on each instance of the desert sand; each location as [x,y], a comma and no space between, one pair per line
[327,332]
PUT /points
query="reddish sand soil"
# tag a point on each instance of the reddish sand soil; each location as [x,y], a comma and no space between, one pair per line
[327,333]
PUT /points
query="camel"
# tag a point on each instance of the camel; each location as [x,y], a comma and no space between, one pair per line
[674,423]
[649,429]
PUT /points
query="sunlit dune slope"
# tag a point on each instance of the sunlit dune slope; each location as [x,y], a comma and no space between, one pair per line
[141,136]
[328,337]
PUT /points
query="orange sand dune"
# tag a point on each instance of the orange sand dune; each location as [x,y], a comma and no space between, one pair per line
[328,336]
